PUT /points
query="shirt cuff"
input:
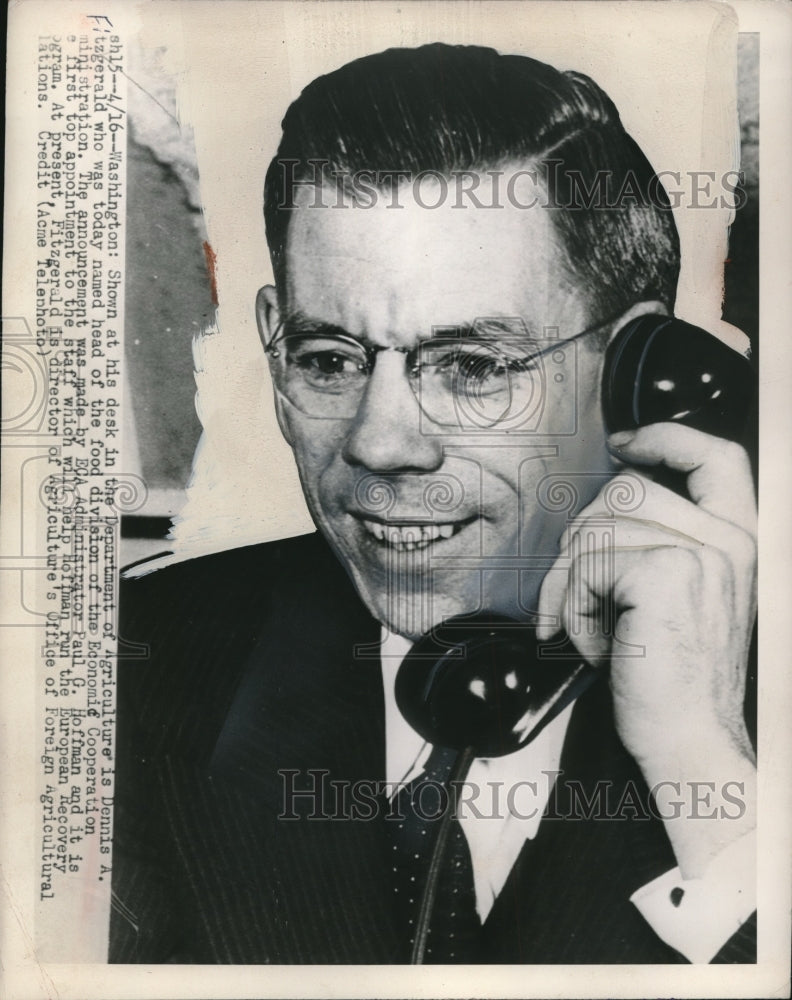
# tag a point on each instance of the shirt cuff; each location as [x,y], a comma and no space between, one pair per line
[698,916]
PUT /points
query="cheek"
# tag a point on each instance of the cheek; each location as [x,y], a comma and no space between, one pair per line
[316,445]
[573,412]
[555,487]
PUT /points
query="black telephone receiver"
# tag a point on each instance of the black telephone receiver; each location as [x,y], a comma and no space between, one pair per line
[481,682]
[660,368]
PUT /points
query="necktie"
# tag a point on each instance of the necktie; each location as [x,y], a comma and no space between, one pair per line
[414,823]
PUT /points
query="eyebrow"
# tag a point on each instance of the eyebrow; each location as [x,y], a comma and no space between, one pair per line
[298,323]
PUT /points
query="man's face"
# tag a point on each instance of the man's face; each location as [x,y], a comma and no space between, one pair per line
[429,519]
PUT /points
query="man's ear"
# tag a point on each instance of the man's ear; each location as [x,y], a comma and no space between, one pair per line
[268,320]
[731,335]
[649,308]
[267,313]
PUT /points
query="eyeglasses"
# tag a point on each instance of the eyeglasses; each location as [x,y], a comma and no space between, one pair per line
[487,375]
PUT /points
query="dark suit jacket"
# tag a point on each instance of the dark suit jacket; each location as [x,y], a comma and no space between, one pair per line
[241,665]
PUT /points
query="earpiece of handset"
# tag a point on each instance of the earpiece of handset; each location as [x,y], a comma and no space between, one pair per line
[660,368]
[483,681]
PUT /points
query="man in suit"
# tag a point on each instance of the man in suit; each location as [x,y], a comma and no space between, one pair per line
[436,337]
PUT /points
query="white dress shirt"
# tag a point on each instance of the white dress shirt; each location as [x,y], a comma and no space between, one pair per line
[501,806]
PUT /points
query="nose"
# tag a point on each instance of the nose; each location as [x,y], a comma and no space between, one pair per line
[387,433]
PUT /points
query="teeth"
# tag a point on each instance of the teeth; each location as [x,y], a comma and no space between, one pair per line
[376,529]
[409,536]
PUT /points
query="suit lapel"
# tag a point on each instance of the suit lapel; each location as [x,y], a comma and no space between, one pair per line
[277,848]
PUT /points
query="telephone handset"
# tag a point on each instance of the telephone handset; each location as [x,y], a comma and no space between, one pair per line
[481,684]
[479,681]
[660,368]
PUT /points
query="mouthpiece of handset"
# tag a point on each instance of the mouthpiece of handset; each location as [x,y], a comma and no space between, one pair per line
[484,681]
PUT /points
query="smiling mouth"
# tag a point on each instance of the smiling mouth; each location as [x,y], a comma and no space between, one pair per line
[407,537]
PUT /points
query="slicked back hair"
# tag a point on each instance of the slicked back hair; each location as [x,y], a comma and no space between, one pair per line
[449,109]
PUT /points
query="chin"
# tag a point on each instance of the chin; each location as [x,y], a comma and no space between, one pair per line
[413,613]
